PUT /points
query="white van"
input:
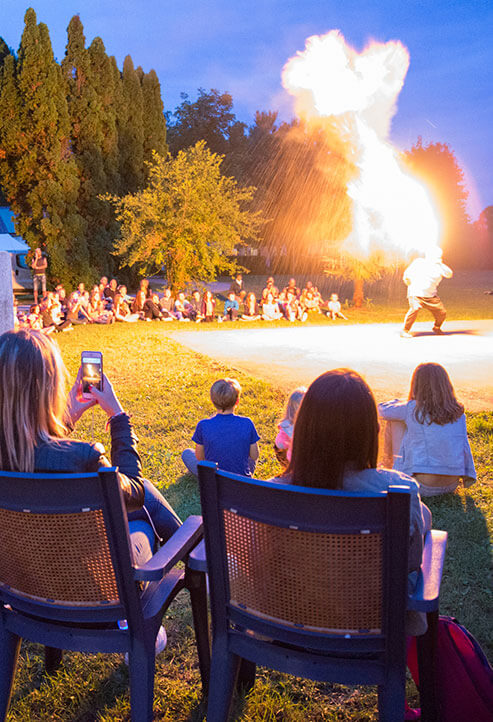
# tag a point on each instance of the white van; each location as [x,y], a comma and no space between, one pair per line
[21,271]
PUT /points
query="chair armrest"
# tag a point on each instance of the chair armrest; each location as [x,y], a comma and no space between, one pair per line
[427,592]
[197,561]
[176,548]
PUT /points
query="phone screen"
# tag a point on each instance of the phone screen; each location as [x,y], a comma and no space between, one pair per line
[92,370]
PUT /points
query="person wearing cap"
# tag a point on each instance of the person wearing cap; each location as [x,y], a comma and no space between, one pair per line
[422,278]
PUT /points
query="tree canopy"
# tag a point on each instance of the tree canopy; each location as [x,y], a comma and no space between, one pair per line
[188,219]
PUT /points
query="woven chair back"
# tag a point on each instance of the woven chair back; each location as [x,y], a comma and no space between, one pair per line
[63,558]
[323,582]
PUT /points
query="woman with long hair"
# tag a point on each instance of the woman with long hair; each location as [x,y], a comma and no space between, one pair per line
[435,448]
[37,417]
[335,446]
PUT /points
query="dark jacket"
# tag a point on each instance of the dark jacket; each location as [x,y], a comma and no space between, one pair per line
[75,457]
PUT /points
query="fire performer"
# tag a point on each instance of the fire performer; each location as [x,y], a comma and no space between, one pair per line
[422,277]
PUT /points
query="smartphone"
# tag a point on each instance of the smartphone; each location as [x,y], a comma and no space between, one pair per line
[92,371]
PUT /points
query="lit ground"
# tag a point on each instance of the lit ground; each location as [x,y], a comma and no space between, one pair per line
[296,355]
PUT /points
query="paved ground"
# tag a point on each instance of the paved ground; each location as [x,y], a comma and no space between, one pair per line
[293,356]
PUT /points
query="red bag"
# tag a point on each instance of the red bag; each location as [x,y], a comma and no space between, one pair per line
[464,675]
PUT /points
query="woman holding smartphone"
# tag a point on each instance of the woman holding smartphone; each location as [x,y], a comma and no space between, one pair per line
[36,418]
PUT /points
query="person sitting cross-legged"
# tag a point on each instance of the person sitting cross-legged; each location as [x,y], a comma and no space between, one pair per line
[225,438]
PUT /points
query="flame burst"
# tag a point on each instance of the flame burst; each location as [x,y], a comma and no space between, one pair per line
[392,211]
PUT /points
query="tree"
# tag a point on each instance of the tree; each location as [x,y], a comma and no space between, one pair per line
[437,166]
[37,169]
[130,121]
[209,118]
[484,230]
[188,219]
[154,121]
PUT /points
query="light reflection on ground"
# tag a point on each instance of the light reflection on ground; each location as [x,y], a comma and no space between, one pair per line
[292,356]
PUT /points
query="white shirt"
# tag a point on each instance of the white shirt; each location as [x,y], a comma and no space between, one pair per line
[422,277]
[430,448]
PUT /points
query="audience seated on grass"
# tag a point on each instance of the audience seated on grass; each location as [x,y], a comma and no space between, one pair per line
[226,438]
[284,438]
[434,446]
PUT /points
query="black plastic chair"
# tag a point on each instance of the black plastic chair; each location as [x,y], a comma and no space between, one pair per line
[313,583]
[68,581]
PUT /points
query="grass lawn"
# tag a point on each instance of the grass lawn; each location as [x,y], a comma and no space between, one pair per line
[165,387]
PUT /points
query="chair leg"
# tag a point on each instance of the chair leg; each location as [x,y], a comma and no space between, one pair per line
[427,647]
[224,670]
[196,583]
[392,697]
[9,646]
[141,670]
[53,659]
[246,676]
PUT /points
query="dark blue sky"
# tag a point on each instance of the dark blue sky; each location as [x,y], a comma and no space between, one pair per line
[241,46]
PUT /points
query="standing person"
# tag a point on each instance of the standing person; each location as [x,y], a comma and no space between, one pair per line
[227,439]
[422,277]
[39,265]
[236,287]
[435,448]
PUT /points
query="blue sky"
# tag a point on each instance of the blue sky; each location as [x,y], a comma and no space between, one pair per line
[241,46]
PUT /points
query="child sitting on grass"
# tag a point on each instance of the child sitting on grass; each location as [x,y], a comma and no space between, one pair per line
[225,438]
[282,444]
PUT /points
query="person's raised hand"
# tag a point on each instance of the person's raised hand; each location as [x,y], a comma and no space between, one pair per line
[76,403]
[107,398]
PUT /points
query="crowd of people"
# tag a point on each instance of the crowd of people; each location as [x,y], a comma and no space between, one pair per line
[109,302]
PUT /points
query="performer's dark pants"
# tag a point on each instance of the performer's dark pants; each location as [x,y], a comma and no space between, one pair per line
[433,304]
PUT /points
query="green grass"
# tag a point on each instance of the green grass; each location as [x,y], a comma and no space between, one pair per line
[165,387]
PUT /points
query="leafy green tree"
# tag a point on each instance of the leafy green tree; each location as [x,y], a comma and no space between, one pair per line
[38,170]
[130,121]
[208,118]
[436,165]
[188,219]
[154,121]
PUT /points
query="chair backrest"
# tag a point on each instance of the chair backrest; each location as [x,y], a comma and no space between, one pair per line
[65,550]
[294,563]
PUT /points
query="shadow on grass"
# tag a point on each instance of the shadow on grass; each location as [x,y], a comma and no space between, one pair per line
[466,585]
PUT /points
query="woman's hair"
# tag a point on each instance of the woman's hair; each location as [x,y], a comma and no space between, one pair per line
[139,300]
[336,426]
[225,393]
[293,404]
[434,394]
[32,396]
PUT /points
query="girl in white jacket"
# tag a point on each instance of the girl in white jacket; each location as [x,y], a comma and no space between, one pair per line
[435,448]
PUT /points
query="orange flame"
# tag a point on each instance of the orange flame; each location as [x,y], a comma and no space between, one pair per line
[392,211]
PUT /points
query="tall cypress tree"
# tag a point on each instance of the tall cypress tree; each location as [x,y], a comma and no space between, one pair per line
[154,121]
[131,130]
[86,116]
[11,145]
[44,184]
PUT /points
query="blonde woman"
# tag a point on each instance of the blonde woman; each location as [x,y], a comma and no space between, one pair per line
[435,448]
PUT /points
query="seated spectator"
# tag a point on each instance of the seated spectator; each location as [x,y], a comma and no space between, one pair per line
[97,310]
[167,305]
[182,310]
[251,311]
[435,448]
[121,311]
[236,287]
[231,308]
[270,309]
[335,446]
[208,306]
[138,303]
[282,444]
[270,289]
[111,289]
[292,308]
[225,438]
[152,311]
[195,308]
[310,301]
[292,287]
[76,312]
[145,286]
[80,290]
[334,308]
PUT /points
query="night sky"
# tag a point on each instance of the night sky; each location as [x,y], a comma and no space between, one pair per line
[241,47]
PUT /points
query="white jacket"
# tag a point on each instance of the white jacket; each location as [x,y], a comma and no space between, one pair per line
[430,448]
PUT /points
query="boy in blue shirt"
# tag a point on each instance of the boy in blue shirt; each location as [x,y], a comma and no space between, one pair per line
[231,308]
[225,438]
